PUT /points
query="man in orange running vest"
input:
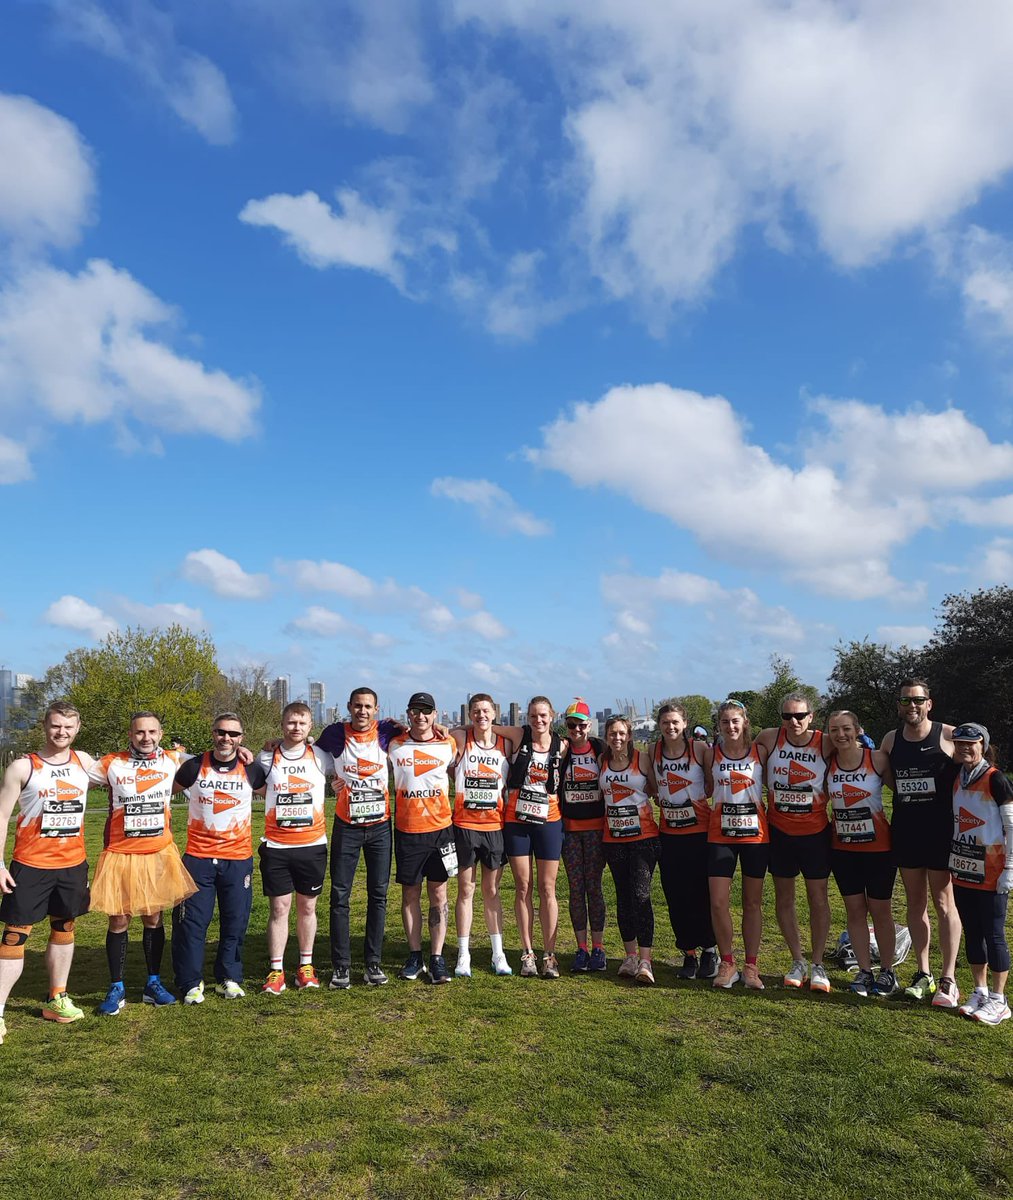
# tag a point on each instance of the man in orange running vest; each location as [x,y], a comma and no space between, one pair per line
[49,872]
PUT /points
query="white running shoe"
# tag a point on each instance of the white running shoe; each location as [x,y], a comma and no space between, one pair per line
[819,980]
[500,966]
[798,974]
[463,967]
[195,995]
[628,967]
[976,999]
[229,990]
[994,1011]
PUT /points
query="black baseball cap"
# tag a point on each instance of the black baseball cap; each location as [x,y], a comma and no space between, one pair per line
[422,700]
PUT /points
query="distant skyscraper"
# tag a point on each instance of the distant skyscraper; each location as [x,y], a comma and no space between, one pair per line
[279,691]
[464,713]
[515,713]
[318,695]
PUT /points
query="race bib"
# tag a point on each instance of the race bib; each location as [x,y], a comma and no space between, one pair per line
[678,816]
[62,818]
[623,820]
[739,821]
[581,796]
[854,826]
[449,855]
[292,810]
[532,807]
[366,806]
[478,795]
[143,818]
[914,785]
[967,862]
[793,803]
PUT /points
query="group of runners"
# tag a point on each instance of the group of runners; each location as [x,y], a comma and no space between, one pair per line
[792,800]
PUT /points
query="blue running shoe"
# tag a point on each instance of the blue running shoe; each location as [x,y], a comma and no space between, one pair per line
[116,997]
[155,992]
[581,961]
[597,961]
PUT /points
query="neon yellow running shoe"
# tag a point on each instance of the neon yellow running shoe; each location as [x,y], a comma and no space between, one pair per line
[62,1009]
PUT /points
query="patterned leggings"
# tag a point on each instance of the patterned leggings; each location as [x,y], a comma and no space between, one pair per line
[585,864]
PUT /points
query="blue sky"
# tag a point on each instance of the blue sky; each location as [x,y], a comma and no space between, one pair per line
[578,347]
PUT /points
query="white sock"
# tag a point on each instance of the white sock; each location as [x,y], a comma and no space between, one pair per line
[276,963]
[996,996]
[305,960]
[463,944]
[497,944]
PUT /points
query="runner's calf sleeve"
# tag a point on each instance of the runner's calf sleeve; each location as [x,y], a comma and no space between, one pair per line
[153,941]
[12,944]
[116,954]
[61,931]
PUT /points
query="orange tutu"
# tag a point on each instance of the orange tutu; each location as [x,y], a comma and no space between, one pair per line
[140,884]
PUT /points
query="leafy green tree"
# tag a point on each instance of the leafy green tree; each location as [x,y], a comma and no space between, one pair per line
[764,706]
[243,692]
[866,679]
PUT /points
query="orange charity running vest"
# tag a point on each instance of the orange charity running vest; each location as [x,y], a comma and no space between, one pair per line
[50,828]
[294,799]
[140,790]
[421,783]
[360,779]
[629,814]
[796,799]
[978,854]
[682,791]
[738,818]
[856,800]
[479,783]
[218,821]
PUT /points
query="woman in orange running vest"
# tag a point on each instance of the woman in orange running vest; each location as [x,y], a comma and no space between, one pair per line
[738,833]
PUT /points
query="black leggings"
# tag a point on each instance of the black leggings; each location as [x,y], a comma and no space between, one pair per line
[983,916]
[632,867]
[682,861]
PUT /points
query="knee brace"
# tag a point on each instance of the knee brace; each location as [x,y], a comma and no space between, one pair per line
[61,931]
[12,944]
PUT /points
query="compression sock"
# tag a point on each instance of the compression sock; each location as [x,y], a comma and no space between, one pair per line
[153,941]
[116,955]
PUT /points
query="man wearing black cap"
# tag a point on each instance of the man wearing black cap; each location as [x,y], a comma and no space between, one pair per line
[423,832]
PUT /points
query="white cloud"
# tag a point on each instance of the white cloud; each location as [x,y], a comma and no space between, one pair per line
[85,348]
[311,576]
[904,635]
[47,184]
[996,565]
[690,122]
[830,524]
[981,264]
[15,465]
[224,576]
[485,625]
[356,235]
[325,623]
[157,616]
[71,612]
[496,507]
[143,38]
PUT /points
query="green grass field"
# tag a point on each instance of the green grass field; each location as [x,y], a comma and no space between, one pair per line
[491,1087]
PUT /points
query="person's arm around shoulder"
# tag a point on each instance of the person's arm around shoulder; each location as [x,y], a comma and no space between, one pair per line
[886,745]
[881,762]
[15,778]
[705,757]
[186,775]
[647,767]
[946,739]
[766,739]
[98,773]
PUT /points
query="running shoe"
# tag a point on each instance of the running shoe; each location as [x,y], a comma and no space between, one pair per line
[375,975]
[947,995]
[3,1030]
[994,1011]
[463,968]
[500,966]
[228,989]
[819,980]
[413,967]
[116,997]
[155,992]
[727,975]
[581,961]
[886,985]
[922,986]
[550,968]
[306,977]
[645,972]
[689,967]
[863,984]
[798,974]
[976,999]
[341,979]
[751,977]
[195,995]
[274,984]
[529,964]
[62,1009]
[628,967]
[708,964]
[438,972]
[597,961]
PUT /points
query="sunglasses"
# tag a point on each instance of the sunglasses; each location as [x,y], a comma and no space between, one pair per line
[229,733]
[796,716]
[420,712]
[909,700]
[576,724]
